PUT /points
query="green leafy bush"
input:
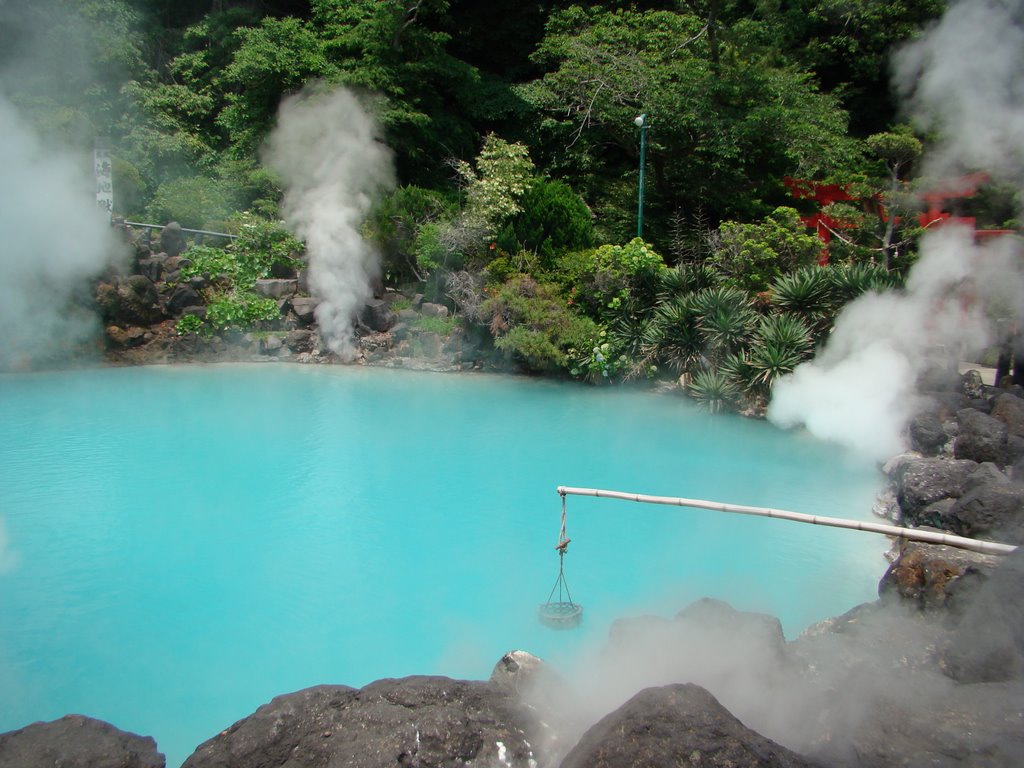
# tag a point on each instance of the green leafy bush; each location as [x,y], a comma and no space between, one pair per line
[190,324]
[531,322]
[713,389]
[195,202]
[753,255]
[605,280]
[239,310]
[554,219]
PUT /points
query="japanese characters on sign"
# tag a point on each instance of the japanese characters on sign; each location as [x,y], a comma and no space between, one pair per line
[104,180]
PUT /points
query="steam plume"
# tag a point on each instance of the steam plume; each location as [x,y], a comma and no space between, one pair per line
[963,78]
[55,239]
[328,152]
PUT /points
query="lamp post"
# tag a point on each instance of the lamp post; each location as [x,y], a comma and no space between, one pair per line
[641,122]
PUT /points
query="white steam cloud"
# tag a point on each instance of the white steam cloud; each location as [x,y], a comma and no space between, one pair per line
[54,240]
[963,77]
[328,152]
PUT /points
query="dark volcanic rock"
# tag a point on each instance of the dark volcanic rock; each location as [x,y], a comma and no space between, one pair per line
[676,725]
[378,316]
[988,644]
[1009,409]
[130,301]
[183,297]
[300,340]
[415,721]
[172,239]
[276,288]
[304,308]
[934,577]
[993,510]
[75,741]
[927,434]
[981,437]
[922,482]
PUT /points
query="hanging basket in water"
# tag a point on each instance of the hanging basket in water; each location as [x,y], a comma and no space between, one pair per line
[561,614]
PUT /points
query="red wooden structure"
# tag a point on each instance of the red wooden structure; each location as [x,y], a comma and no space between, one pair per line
[935,199]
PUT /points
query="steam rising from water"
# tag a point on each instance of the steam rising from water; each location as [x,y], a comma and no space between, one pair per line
[54,241]
[328,152]
[962,78]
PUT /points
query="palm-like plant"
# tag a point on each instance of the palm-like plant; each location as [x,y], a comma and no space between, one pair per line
[782,342]
[713,389]
[673,337]
[726,319]
[848,281]
[686,279]
[806,293]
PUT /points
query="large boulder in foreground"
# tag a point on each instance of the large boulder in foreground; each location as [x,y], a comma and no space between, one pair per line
[414,721]
[934,577]
[673,725]
[988,644]
[922,482]
[75,741]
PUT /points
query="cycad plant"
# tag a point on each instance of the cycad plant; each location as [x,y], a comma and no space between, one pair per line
[686,279]
[673,336]
[780,344]
[848,281]
[808,294]
[725,319]
[713,389]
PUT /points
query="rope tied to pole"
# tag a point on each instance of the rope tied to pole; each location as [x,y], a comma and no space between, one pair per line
[563,613]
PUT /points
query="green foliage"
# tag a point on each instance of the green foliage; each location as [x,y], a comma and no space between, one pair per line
[753,255]
[806,293]
[729,115]
[259,247]
[606,280]
[726,319]
[781,343]
[554,219]
[239,309]
[898,148]
[848,281]
[598,361]
[531,322]
[713,389]
[396,224]
[674,337]
[495,188]
[195,202]
[190,324]
[442,326]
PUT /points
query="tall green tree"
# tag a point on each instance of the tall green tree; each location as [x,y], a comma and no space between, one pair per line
[728,114]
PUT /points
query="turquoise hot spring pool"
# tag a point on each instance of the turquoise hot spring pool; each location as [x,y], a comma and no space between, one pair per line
[180,544]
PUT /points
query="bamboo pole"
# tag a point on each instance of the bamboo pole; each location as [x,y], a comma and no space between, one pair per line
[914,534]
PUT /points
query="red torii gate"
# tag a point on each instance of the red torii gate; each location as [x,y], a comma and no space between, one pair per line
[934,216]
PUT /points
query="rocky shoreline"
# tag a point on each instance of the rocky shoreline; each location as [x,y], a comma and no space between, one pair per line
[931,673]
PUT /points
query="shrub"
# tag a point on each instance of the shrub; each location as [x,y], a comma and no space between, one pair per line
[713,389]
[531,322]
[192,201]
[753,255]
[553,219]
[239,310]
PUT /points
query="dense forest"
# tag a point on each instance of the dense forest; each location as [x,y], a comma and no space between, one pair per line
[516,134]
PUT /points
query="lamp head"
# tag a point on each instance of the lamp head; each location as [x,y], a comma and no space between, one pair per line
[639,120]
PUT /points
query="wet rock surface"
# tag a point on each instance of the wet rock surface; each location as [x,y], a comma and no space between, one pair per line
[415,721]
[75,741]
[674,725]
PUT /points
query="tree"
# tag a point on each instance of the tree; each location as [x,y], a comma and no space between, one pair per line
[898,149]
[726,122]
